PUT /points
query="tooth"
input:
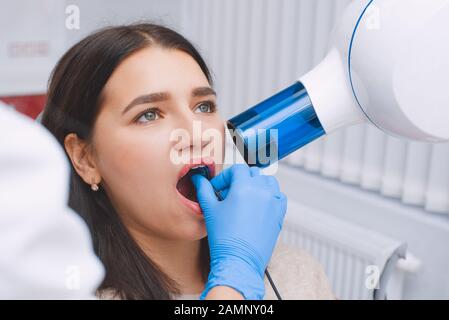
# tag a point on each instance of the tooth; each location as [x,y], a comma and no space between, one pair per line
[200,166]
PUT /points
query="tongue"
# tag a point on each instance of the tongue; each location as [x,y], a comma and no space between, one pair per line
[186,188]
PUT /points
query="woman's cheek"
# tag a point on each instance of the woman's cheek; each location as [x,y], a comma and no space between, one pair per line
[217,142]
[128,152]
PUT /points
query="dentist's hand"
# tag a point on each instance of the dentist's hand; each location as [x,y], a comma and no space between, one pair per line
[242,228]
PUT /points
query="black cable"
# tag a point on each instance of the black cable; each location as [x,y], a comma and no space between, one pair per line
[273,285]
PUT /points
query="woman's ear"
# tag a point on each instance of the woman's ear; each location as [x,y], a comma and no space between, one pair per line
[82,159]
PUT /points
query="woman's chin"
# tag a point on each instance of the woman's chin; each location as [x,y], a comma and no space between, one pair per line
[199,233]
[190,230]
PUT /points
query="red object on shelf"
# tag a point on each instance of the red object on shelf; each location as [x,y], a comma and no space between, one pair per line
[28,105]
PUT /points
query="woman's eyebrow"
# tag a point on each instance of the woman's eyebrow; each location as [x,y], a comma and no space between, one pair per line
[203,91]
[163,96]
[148,98]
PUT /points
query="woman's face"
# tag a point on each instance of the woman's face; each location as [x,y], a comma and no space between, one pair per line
[151,96]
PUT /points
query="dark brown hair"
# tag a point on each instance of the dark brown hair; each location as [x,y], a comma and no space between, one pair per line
[74,100]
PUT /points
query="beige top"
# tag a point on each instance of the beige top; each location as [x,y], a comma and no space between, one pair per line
[296,274]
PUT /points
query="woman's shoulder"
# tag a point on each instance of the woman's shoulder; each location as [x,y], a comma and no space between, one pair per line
[297,275]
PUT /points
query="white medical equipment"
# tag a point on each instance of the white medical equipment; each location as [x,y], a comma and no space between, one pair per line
[388,64]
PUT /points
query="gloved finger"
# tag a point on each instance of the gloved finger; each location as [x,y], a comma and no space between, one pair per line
[282,198]
[255,171]
[240,171]
[222,180]
[225,178]
[204,191]
[224,193]
[272,182]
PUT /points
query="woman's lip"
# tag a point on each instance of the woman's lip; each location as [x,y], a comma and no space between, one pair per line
[190,204]
[209,162]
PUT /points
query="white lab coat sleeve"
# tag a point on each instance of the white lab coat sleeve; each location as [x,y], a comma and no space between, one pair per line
[45,248]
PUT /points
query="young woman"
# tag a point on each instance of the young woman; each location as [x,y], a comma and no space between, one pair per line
[114,101]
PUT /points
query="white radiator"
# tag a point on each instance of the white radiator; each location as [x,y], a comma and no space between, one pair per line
[360,264]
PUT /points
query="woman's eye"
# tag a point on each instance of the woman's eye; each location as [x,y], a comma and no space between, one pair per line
[148,116]
[206,107]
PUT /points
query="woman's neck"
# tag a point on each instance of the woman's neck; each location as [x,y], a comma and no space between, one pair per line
[179,260]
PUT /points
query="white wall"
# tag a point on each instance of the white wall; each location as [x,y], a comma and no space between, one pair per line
[27,24]
[99,13]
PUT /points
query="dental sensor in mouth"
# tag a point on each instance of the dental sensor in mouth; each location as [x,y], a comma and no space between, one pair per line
[204,171]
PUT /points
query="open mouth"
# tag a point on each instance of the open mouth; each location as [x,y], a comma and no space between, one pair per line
[185,185]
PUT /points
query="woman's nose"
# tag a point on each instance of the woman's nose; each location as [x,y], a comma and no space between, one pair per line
[192,131]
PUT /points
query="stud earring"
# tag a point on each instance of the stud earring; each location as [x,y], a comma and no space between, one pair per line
[94,187]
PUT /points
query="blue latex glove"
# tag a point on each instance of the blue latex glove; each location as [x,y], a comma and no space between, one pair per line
[242,228]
